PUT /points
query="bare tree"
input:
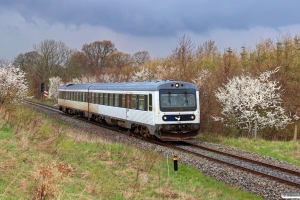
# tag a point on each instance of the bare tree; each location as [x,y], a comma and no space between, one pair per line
[29,63]
[183,57]
[97,54]
[53,58]
[141,57]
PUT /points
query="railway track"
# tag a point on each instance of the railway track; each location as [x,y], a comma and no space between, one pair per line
[276,173]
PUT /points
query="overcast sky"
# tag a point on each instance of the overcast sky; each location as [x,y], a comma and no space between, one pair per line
[144,25]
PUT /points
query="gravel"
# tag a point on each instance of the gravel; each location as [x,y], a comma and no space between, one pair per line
[266,188]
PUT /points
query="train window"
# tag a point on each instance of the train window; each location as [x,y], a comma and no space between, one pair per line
[101,98]
[150,102]
[146,102]
[71,97]
[79,96]
[76,96]
[96,98]
[116,100]
[134,101]
[82,96]
[111,99]
[120,100]
[141,102]
[67,96]
[105,96]
[123,101]
[93,96]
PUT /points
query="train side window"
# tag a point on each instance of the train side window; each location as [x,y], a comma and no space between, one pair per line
[116,100]
[83,97]
[120,100]
[93,96]
[111,99]
[146,102]
[79,96]
[123,101]
[150,102]
[105,96]
[101,98]
[141,102]
[72,96]
[134,101]
[96,98]
[67,96]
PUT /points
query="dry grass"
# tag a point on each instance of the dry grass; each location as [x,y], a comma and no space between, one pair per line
[42,159]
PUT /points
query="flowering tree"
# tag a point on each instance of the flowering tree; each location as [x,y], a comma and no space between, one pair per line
[142,75]
[13,87]
[201,78]
[54,83]
[245,100]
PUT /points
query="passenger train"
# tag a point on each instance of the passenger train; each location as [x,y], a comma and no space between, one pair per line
[166,110]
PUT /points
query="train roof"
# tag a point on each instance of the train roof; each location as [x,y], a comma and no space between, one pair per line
[130,86]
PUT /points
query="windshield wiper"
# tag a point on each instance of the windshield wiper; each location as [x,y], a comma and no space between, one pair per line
[186,99]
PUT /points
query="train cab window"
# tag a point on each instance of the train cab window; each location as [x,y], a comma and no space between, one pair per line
[116,99]
[101,98]
[141,102]
[105,96]
[150,102]
[134,101]
[111,99]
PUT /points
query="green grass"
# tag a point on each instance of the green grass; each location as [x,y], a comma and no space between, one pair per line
[282,150]
[30,158]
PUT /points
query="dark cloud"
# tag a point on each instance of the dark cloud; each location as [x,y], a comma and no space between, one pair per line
[160,17]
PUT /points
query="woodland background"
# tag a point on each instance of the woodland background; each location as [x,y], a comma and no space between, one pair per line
[204,65]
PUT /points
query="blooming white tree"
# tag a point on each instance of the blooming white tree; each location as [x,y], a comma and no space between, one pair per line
[13,87]
[54,83]
[142,75]
[201,77]
[245,100]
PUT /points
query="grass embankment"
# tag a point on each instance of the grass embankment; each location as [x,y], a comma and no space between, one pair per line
[43,158]
[286,151]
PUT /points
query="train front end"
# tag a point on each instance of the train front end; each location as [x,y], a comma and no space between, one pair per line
[178,116]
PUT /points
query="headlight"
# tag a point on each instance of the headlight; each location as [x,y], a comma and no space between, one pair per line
[192,117]
[165,118]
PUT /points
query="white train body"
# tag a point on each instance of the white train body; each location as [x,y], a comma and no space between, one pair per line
[168,110]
